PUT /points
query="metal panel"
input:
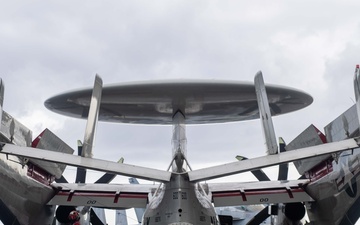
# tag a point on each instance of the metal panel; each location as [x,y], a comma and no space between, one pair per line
[14,132]
[344,126]
[309,137]
[48,140]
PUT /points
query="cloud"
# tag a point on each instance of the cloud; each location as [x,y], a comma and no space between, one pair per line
[48,48]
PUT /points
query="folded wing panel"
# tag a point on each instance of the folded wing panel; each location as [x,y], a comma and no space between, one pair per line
[266,192]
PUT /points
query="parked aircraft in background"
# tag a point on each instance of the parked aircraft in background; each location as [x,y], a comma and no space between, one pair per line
[182,198]
[25,183]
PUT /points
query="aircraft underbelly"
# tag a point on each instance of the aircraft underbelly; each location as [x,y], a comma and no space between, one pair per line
[22,195]
[182,203]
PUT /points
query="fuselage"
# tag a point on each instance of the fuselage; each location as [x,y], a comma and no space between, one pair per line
[180,202]
[336,193]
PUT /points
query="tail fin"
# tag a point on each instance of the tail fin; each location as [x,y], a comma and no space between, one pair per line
[357,89]
[2,89]
[265,114]
[92,118]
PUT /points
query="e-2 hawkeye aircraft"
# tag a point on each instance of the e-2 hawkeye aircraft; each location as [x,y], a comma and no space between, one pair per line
[181,198]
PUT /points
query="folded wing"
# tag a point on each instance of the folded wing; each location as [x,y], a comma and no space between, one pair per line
[264,192]
[271,160]
[116,196]
[89,163]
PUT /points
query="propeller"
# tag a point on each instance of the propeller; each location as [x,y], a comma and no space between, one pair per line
[261,176]
[283,168]
[272,148]
[260,217]
[138,211]
[85,150]
[64,211]
[80,172]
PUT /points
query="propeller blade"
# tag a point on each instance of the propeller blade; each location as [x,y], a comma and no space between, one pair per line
[357,89]
[265,114]
[61,180]
[283,168]
[260,217]
[259,174]
[80,172]
[92,118]
[97,216]
[2,89]
[120,217]
[108,177]
[85,149]
[138,211]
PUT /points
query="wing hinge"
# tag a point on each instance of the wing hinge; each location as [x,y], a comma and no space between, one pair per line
[117,195]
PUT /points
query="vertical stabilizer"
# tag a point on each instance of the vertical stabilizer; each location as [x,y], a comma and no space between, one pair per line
[92,118]
[357,89]
[2,88]
[265,114]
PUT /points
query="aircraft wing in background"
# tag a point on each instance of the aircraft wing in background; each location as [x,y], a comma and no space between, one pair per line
[271,160]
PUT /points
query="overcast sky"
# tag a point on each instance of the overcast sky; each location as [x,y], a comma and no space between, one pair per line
[47,48]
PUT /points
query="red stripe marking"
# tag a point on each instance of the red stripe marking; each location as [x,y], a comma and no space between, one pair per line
[117,195]
[71,194]
[290,192]
[237,193]
[37,139]
[242,192]
[96,194]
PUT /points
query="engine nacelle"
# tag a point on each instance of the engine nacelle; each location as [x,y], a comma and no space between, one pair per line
[62,214]
[294,211]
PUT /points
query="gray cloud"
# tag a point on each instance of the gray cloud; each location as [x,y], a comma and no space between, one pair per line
[47,48]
